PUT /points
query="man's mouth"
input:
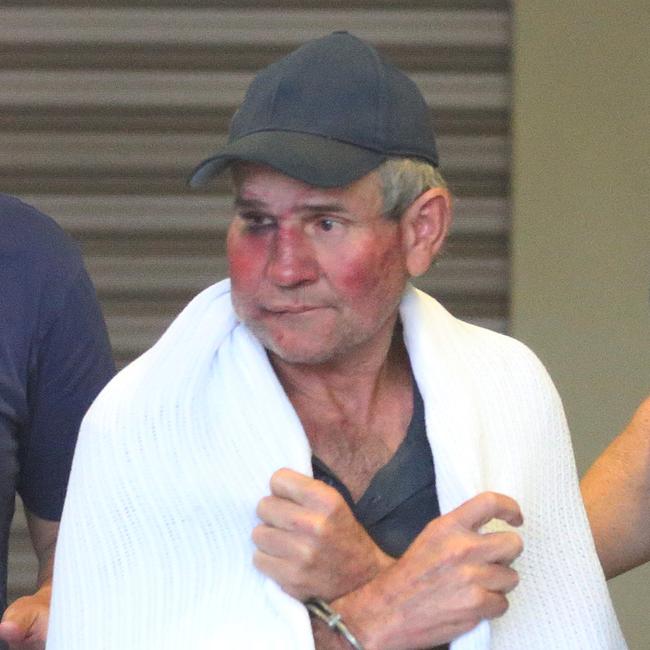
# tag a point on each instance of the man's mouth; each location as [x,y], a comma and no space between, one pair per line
[291,309]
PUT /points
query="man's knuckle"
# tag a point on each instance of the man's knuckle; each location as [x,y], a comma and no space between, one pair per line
[501,606]
[513,580]
[466,576]
[475,597]
[278,479]
[517,544]
[315,525]
[262,506]
[257,535]
[491,500]
[307,555]
[258,560]
[275,479]
[457,550]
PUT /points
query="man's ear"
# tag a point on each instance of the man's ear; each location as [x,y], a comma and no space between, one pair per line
[425,225]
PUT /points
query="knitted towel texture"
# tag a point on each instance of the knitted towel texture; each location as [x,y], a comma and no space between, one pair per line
[155,547]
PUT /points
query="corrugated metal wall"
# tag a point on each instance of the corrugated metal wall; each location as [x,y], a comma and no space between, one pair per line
[105,106]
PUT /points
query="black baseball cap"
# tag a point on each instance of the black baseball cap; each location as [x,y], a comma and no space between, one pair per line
[327,114]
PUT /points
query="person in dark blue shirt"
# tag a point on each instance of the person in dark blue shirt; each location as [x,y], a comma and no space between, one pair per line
[54,359]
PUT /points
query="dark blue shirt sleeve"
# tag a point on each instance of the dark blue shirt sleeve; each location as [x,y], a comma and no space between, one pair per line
[72,364]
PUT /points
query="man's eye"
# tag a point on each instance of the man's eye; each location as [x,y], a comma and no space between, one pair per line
[326,225]
[256,221]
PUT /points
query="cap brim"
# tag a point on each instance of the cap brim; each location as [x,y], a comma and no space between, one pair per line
[313,159]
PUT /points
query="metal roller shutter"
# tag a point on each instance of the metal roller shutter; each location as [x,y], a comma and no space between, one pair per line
[105,106]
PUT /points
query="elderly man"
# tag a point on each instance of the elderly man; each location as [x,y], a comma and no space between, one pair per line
[295,435]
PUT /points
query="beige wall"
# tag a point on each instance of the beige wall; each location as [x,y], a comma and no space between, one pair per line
[581,230]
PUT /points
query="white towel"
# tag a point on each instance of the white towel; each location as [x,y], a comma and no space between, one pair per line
[154,548]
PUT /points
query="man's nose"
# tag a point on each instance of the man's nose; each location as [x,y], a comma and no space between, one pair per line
[292,261]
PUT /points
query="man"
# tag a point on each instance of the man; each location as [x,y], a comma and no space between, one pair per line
[294,436]
[54,359]
[616,490]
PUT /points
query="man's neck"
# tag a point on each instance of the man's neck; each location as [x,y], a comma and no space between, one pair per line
[355,413]
[352,380]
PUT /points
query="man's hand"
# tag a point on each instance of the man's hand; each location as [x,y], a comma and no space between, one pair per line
[449,580]
[24,624]
[309,541]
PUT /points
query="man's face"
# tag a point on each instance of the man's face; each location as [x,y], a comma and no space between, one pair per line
[316,273]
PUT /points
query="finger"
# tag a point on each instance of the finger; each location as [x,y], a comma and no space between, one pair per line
[301,489]
[18,620]
[497,578]
[282,572]
[11,632]
[291,517]
[502,547]
[280,512]
[278,543]
[495,605]
[288,484]
[486,506]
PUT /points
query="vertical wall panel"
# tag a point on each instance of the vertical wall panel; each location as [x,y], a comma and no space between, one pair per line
[106,106]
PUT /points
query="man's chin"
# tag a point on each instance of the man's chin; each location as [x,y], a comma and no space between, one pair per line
[297,355]
[292,345]
[296,350]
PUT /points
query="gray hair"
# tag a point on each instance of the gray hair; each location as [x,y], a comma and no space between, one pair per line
[403,180]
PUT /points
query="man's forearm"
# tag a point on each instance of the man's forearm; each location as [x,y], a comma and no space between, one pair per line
[616,492]
[43,534]
[45,571]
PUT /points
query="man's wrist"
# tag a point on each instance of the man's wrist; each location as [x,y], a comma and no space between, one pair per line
[319,609]
[362,615]
[44,591]
[383,561]
[325,638]
[365,612]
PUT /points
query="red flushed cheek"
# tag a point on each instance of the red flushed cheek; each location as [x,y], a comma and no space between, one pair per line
[357,279]
[366,271]
[246,259]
